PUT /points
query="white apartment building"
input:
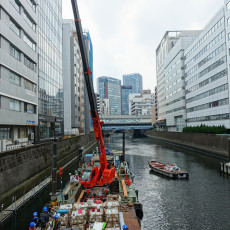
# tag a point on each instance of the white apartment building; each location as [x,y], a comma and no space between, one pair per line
[73,82]
[175,82]
[131,97]
[103,106]
[206,73]
[142,104]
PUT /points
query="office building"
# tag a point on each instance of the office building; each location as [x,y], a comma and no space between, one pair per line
[110,88]
[156,104]
[74,112]
[125,91]
[206,73]
[166,44]
[175,81]
[89,51]
[134,80]
[18,73]
[50,87]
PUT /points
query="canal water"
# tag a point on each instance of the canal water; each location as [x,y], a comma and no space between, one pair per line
[202,202]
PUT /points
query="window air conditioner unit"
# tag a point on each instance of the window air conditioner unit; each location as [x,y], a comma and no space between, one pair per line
[16,142]
[31,136]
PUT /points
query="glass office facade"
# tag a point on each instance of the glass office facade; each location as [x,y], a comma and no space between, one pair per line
[110,88]
[134,80]
[50,87]
[125,91]
[89,50]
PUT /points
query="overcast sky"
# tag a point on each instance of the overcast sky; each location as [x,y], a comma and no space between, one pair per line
[126,33]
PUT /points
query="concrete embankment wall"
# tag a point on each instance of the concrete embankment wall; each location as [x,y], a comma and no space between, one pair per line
[20,169]
[209,143]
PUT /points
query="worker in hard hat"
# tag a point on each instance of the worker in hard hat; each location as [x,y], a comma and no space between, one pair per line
[32,226]
[76,178]
[56,223]
[35,219]
[44,218]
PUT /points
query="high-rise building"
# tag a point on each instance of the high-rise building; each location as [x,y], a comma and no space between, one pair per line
[72,81]
[134,80]
[206,73]
[125,91]
[50,87]
[175,81]
[89,51]
[18,73]
[110,88]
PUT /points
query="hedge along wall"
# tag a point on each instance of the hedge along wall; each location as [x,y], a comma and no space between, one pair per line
[20,169]
[211,143]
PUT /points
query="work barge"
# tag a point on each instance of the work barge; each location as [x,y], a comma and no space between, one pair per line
[106,207]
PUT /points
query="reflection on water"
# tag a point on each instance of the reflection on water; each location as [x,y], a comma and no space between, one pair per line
[202,202]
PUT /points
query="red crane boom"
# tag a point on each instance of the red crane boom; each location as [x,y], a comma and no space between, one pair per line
[104,174]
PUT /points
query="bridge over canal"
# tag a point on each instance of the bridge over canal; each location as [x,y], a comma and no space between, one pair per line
[126,122]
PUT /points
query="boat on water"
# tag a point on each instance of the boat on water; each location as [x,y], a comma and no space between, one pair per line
[172,171]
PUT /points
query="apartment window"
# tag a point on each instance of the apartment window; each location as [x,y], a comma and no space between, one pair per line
[228,21]
[15,79]
[15,28]
[228,6]
[5,133]
[29,63]
[32,4]
[15,52]
[29,86]
[29,42]
[16,5]
[22,132]
[15,105]
[29,21]
[29,108]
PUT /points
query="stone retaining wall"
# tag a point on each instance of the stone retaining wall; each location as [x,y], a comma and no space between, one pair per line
[20,169]
[210,143]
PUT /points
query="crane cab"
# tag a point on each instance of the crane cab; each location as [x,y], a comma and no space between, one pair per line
[90,176]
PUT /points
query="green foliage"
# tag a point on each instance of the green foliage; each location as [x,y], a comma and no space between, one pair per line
[205,129]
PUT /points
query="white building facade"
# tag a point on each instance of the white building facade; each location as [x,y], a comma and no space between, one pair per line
[142,104]
[162,51]
[206,74]
[175,82]
[73,82]
[18,73]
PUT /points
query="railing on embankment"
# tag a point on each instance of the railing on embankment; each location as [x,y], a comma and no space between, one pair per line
[23,168]
[216,145]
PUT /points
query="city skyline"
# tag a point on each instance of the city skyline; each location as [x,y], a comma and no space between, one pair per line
[115,50]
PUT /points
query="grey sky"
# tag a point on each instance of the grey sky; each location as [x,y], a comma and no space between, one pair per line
[126,33]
